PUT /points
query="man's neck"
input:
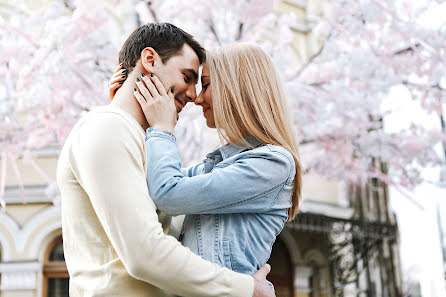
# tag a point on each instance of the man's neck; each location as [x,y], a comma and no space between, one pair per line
[125,100]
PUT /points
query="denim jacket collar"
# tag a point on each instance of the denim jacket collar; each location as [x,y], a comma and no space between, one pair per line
[230,150]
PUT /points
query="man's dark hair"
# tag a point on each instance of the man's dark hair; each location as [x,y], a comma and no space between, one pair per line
[166,39]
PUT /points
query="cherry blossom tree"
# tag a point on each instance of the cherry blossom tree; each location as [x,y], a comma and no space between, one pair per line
[372,48]
[55,63]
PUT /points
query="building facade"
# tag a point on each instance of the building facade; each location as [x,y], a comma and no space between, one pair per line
[31,259]
[338,249]
[343,243]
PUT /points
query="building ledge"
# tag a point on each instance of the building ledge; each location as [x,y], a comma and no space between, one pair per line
[362,229]
[32,194]
[327,209]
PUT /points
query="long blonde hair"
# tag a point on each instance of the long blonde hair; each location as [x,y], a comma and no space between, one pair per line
[249,100]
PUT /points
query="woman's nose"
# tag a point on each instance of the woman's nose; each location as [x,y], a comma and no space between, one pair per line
[199,99]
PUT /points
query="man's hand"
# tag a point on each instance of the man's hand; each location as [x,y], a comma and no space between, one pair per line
[261,288]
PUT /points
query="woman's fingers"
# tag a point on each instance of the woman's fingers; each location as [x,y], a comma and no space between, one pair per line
[113,88]
[158,84]
[150,86]
[143,90]
[121,73]
[118,68]
[116,80]
[141,100]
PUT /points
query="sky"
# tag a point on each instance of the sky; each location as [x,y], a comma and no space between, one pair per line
[421,256]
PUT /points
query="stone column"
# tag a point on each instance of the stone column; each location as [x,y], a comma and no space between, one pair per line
[324,282]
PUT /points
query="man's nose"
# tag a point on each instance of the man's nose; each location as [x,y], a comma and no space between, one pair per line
[191,94]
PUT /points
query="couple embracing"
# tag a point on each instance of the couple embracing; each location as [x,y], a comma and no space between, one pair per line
[120,169]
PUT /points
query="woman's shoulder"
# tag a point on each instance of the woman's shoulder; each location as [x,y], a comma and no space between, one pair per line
[275,163]
[274,152]
[270,159]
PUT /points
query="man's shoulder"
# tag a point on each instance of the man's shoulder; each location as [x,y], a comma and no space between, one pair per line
[107,121]
[106,127]
[107,115]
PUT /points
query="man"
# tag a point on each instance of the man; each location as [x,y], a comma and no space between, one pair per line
[113,242]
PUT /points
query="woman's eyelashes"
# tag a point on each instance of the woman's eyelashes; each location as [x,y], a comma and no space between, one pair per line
[186,78]
[205,86]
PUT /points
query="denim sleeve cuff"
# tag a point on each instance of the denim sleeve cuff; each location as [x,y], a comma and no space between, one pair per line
[153,132]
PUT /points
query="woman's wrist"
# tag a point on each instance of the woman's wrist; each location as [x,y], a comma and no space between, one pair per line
[164,128]
[156,131]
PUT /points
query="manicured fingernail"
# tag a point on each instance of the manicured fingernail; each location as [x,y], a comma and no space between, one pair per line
[121,82]
[120,64]
[124,70]
[151,74]
[142,74]
[123,76]
[137,79]
[172,89]
[134,89]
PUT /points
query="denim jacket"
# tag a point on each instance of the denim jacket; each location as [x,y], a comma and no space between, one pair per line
[236,201]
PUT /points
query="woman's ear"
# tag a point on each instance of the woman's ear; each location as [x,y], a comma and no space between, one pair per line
[149,57]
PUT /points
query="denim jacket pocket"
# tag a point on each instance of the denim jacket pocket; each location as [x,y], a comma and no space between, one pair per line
[227,254]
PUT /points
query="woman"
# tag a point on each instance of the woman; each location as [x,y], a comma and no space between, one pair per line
[237,200]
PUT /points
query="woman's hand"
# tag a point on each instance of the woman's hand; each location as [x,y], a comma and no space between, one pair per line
[157,104]
[119,76]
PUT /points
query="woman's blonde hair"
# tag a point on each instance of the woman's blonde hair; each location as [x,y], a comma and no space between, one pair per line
[249,100]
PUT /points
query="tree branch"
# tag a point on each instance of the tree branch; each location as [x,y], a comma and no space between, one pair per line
[424,86]
[240,31]
[214,32]
[152,11]
[310,61]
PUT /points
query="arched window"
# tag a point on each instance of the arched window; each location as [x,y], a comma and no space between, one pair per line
[281,274]
[55,273]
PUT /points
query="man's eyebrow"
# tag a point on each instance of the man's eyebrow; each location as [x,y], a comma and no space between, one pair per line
[194,74]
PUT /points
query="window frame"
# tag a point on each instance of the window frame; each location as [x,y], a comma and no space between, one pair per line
[52,269]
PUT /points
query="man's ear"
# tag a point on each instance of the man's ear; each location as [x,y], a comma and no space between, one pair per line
[149,57]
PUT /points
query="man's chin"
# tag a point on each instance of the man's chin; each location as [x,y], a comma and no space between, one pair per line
[178,107]
[178,104]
